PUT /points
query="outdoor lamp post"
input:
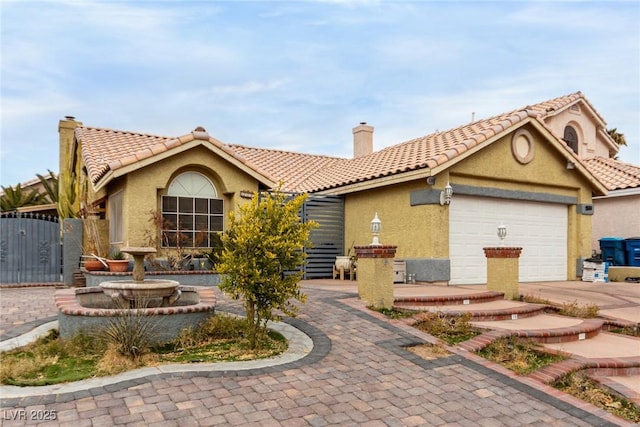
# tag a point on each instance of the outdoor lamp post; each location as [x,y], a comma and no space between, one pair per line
[376,226]
[502,233]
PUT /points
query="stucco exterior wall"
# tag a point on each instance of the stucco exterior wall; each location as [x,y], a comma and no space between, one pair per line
[615,217]
[422,231]
[143,188]
[408,227]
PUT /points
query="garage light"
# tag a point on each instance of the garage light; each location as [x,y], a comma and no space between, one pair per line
[502,233]
[445,195]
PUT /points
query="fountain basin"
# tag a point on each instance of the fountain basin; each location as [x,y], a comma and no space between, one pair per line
[142,293]
[88,309]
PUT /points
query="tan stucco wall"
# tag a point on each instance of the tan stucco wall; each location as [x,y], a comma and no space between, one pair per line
[423,231]
[615,217]
[143,188]
[408,227]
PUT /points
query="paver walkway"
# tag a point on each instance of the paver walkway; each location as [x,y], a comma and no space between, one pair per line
[358,374]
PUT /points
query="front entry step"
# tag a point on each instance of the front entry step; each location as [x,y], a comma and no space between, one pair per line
[546,328]
[405,301]
[488,311]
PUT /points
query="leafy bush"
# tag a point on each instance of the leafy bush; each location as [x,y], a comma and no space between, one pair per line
[261,258]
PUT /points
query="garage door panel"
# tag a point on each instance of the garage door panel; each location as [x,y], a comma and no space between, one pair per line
[539,228]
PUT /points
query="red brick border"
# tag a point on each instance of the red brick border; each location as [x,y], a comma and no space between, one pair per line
[502,252]
[375,251]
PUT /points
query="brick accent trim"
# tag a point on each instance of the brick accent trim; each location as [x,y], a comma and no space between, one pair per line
[375,251]
[502,252]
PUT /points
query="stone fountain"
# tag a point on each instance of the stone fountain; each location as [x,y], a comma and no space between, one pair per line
[141,291]
[176,306]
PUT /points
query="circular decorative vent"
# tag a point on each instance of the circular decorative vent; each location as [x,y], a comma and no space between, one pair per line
[522,146]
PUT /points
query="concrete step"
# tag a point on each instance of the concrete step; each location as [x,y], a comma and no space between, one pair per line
[463,298]
[547,328]
[604,345]
[486,311]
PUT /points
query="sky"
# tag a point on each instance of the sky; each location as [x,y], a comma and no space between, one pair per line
[300,75]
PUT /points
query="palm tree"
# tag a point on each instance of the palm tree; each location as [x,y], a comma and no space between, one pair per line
[13,198]
[50,185]
[61,192]
[617,137]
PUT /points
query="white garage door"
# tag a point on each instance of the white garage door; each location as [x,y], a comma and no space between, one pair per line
[539,228]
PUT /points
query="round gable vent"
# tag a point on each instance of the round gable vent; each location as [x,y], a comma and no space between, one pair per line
[522,146]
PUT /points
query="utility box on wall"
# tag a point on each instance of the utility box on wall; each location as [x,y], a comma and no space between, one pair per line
[399,271]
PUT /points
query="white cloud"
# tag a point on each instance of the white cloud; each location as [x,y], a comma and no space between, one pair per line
[300,75]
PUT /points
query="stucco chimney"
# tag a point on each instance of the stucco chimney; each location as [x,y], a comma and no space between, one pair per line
[66,129]
[362,140]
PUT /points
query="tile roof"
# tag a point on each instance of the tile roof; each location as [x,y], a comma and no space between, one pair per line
[614,174]
[105,149]
[292,168]
[425,152]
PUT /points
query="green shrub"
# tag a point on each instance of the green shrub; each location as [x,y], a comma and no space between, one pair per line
[133,332]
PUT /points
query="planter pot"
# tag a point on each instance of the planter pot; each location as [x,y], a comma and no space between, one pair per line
[118,265]
[93,265]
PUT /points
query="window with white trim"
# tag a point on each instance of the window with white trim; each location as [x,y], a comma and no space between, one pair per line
[191,211]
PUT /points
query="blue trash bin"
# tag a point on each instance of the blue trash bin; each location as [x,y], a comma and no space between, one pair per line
[613,250]
[632,246]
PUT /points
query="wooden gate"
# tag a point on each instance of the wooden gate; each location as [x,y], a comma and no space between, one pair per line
[30,248]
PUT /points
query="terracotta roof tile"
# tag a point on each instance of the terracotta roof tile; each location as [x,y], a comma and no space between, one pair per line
[428,151]
[105,150]
[292,168]
[614,174]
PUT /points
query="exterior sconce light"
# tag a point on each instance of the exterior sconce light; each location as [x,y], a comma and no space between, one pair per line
[376,226]
[445,195]
[502,233]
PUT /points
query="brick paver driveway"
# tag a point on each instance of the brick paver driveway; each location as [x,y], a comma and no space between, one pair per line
[358,374]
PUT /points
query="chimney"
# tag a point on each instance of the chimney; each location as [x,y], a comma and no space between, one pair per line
[362,140]
[66,129]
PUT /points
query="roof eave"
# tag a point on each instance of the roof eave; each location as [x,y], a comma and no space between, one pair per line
[214,146]
[623,192]
[370,184]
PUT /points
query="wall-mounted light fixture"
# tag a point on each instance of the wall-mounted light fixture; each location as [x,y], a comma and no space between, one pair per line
[445,195]
[502,233]
[376,226]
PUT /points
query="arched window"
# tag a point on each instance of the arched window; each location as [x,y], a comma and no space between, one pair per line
[571,138]
[191,211]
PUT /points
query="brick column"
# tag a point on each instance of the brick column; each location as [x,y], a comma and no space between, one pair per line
[375,274]
[503,270]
